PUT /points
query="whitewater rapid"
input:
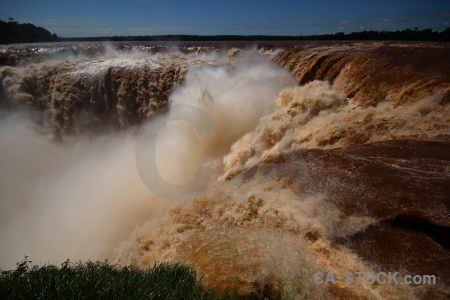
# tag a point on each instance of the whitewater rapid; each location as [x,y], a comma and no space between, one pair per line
[308,158]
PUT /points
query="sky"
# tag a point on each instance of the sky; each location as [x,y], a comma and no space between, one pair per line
[87,18]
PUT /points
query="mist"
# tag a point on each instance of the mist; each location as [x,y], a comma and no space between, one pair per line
[77,199]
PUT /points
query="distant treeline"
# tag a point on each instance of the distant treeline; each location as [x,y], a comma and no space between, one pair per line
[13,32]
[403,35]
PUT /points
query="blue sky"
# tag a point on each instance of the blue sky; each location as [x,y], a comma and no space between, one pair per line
[277,17]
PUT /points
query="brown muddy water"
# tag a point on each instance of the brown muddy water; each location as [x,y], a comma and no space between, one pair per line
[274,162]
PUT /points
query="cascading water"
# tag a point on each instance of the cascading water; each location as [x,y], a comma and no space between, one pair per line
[316,158]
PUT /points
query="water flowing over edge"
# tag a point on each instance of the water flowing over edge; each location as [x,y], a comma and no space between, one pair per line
[299,192]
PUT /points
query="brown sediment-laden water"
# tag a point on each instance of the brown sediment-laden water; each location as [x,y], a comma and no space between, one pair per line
[314,159]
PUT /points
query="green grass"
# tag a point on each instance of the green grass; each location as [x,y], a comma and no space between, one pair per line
[103,280]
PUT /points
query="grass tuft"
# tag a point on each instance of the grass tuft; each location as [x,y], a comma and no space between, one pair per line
[103,280]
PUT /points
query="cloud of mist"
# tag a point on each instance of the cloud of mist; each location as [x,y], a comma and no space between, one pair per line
[75,200]
[229,102]
[78,199]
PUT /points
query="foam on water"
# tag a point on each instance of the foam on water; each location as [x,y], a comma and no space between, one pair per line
[291,169]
